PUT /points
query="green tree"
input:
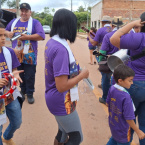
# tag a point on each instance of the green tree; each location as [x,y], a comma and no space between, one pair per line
[3,1]
[81,9]
[81,18]
[11,4]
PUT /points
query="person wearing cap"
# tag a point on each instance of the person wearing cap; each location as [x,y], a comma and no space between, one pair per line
[135,43]
[107,49]
[34,33]
[106,28]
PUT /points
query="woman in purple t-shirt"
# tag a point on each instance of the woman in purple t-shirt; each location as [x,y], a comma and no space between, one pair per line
[62,74]
[91,47]
[135,42]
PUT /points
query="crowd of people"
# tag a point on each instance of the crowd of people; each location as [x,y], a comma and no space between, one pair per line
[123,89]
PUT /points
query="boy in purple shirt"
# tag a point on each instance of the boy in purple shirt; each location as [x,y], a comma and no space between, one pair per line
[10,105]
[121,108]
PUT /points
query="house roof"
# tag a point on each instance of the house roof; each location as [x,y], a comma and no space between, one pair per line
[11,10]
[95,3]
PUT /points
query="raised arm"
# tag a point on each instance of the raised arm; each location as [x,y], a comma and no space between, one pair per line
[115,39]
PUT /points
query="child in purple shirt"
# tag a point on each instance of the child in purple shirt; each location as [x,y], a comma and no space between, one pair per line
[121,108]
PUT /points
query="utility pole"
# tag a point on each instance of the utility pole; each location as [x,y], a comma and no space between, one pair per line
[17,8]
[0,4]
[71,5]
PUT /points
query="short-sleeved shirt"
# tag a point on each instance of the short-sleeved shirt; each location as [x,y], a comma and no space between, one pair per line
[101,33]
[4,69]
[31,57]
[57,64]
[89,44]
[120,109]
[107,46]
[135,42]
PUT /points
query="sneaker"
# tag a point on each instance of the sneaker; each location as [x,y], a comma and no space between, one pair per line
[101,100]
[30,99]
[8,142]
[23,95]
[100,86]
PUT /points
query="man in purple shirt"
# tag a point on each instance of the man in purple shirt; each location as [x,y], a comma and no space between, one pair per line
[28,53]
[121,108]
[107,49]
[106,28]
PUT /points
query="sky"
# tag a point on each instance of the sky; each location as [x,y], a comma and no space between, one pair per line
[38,5]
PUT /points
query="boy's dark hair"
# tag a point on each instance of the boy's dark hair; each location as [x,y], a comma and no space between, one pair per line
[122,72]
[1,25]
[64,24]
[94,29]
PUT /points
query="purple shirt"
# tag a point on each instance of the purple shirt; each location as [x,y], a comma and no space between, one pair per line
[101,33]
[89,44]
[36,29]
[120,109]
[57,64]
[3,64]
[107,46]
[135,42]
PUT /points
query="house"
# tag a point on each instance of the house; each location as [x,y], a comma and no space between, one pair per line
[129,9]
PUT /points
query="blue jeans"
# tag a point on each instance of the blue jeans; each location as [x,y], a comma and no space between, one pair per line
[137,92]
[113,142]
[106,84]
[14,114]
[28,78]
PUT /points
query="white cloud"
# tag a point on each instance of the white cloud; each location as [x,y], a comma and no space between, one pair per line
[38,5]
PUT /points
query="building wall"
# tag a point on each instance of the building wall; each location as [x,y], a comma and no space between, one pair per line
[128,9]
[96,15]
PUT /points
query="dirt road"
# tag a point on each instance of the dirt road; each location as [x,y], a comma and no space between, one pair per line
[39,126]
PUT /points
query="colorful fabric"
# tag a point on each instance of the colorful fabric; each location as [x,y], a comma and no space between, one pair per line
[120,109]
[57,64]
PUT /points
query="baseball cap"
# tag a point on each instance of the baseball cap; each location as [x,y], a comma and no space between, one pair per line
[25,6]
[1,16]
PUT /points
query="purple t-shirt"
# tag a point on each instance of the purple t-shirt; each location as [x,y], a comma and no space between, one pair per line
[135,42]
[101,33]
[3,64]
[89,44]
[4,69]
[107,46]
[31,57]
[120,109]
[57,64]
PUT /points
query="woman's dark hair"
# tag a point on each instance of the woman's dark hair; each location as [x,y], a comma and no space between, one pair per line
[64,24]
[122,72]
[1,25]
[94,29]
[142,17]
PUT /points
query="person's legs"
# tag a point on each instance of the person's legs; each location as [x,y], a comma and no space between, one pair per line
[137,91]
[91,55]
[13,111]
[30,71]
[141,119]
[111,142]
[105,86]
[70,125]
[1,127]
[22,75]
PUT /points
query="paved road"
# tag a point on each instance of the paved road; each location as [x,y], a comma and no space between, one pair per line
[39,126]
